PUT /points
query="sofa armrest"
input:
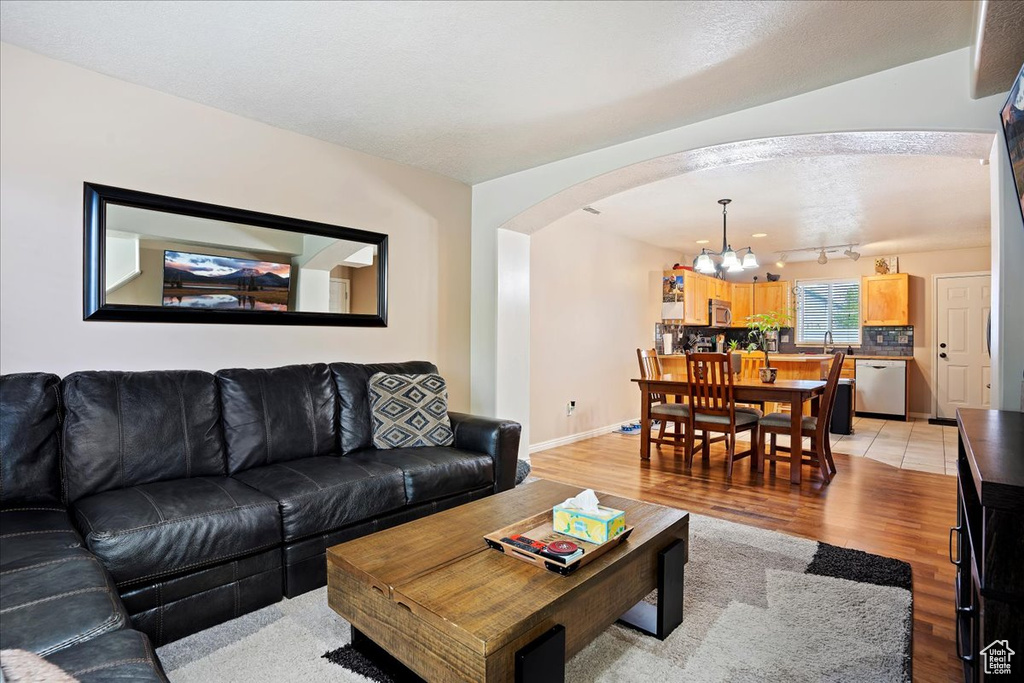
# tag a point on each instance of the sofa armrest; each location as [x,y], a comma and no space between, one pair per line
[497,438]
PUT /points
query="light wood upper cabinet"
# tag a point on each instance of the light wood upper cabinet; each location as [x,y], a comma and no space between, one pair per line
[742,303]
[885,299]
[719,290]
[771,296]
[695,294]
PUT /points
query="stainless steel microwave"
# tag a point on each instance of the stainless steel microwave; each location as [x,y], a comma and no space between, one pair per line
[719,313]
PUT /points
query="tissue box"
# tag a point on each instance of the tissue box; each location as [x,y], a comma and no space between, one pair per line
[593,527]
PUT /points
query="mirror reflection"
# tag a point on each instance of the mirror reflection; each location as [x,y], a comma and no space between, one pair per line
[169,260]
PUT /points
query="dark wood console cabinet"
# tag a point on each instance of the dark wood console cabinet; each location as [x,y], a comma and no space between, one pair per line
[987,544]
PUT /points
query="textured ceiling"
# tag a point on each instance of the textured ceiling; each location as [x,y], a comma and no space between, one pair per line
[479,90]
[901,201]
[998,49]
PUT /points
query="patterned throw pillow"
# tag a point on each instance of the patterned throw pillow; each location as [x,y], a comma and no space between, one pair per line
[409,411]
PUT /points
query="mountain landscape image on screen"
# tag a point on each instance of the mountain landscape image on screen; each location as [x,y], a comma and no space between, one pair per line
[224,282]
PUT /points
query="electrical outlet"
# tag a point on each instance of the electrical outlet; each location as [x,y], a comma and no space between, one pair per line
[879,339]
[570,407]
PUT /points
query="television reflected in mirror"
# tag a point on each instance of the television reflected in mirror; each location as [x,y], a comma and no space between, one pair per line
[150,258]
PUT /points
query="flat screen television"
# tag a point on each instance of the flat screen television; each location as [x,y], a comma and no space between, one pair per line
[224,282]
[1012,117]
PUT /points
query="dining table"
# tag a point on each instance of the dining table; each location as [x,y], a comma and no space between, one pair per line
[745,390]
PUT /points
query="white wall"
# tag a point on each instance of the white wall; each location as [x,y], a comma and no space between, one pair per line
[512,323]
[1007,278]
[595,297]
[921,267]
[932,94]
[61,125]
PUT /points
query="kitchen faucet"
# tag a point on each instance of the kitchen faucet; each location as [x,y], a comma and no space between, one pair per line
[828,345]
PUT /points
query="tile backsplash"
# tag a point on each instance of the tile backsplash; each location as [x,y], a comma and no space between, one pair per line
[897,340]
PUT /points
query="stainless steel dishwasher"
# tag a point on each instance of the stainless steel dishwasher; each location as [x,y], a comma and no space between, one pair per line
[882,387]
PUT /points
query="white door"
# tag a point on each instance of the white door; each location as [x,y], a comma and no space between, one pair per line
[963,367]
[339,296]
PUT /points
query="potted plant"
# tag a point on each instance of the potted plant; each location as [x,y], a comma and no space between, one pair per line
[764,326]
[737,361]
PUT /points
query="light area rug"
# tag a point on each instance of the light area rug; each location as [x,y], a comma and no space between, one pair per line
[758,606]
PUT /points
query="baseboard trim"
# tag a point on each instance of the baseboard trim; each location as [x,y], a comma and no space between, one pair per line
[579,436]
[921,416]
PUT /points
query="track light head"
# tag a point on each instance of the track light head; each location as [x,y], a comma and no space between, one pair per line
[822,258]
[851,254]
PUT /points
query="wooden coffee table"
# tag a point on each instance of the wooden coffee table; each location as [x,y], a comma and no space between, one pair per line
[431,594]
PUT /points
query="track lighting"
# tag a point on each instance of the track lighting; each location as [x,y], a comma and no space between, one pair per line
[822,259]
[851,254]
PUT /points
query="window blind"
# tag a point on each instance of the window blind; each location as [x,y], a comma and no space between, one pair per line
[824,305]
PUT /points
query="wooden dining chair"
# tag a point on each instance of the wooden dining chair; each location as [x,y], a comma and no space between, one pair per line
[817,427]
[750,366]
[712,408]
[676,413]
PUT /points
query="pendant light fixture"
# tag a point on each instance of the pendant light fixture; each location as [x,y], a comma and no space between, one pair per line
[729,261]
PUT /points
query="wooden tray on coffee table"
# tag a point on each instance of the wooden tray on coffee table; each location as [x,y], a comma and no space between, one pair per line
[538,528]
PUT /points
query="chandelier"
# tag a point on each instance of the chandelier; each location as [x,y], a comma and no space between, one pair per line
[727,259]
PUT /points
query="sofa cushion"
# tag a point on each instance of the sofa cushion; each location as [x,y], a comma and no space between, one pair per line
[124,655]
[352,380]
[159,529]
[408,411]
[28,534]
[322,494]
[29,449]
[277,415]
[54,590]
[434,472]
[128,428]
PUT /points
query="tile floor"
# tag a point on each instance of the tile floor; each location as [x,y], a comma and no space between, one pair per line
[911,445]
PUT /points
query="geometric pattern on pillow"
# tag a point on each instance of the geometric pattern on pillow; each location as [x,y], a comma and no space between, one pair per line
[409,411]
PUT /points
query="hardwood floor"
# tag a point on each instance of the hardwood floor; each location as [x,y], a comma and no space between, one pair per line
[870,506]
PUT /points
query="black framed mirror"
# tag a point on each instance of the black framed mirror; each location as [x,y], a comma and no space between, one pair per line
[150,258]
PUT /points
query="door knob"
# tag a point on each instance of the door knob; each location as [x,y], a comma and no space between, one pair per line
[942,355]
[942,345]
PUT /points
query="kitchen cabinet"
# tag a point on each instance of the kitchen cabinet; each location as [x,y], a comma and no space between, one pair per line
[695,296]
[718,289]
[742,303]
[771,296]
[685,298]
[885,299]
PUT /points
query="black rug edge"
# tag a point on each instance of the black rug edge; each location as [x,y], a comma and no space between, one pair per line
[857,565]
[352,659]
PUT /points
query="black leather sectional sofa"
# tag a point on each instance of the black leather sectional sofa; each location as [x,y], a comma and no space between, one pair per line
[157,504]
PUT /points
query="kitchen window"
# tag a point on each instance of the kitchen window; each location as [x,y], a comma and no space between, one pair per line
[824,305]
